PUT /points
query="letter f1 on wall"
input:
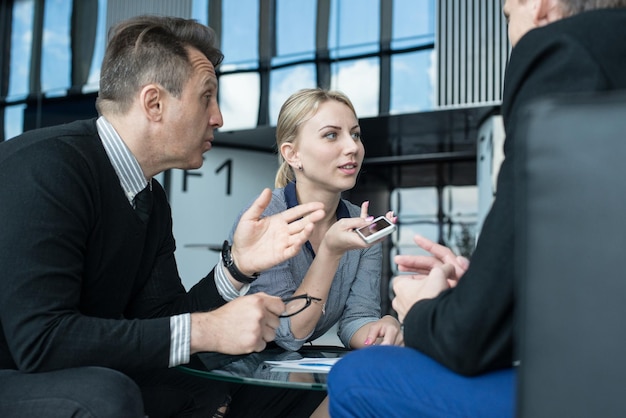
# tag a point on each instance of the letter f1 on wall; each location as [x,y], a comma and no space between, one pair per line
[206,202]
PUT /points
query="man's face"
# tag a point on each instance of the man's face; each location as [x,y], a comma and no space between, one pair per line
[192,118]
[520,15]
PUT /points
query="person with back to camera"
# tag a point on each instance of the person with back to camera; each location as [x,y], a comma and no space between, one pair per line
[320,150]
[93,313]
[457,316]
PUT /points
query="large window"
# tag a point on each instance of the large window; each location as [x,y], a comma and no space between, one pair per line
[271,49]
[330,43]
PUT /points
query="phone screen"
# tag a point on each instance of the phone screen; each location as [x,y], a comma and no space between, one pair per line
[371,229]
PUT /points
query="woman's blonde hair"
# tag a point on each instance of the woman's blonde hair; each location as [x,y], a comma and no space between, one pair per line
[296,110]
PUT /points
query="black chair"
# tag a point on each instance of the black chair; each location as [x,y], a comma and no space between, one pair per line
[571,257]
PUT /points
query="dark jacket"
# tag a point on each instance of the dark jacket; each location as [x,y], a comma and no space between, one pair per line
[83,282]
[470,328]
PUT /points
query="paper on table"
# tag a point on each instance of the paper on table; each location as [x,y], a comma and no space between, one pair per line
[307,364]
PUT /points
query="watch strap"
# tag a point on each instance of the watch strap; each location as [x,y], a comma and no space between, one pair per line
[229,263]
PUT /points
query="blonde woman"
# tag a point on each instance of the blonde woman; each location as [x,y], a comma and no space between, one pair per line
[320,153]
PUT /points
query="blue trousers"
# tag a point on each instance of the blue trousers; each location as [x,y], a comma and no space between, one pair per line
[387,381]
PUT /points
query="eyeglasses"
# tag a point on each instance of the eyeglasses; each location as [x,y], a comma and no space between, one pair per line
[305,303]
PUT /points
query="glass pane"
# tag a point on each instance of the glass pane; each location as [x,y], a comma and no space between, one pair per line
[460,237]
[240,27]
[460,203]
[359,79]
[416,209]
[295,17]
[286,81]
[200,11]
[98,52]
[19,71]
[413,22]
[354,27]
[239,100]
[13,121]
[412,82]
[460,207]
[56,59]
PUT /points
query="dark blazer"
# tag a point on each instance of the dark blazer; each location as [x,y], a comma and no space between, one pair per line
[83,282]
[470,328]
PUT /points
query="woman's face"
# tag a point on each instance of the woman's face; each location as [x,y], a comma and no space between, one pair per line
[329,148]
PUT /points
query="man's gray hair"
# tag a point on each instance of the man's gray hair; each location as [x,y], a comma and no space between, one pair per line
[572,7]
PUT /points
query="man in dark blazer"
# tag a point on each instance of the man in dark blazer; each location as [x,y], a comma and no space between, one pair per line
[93,314]
[458,328]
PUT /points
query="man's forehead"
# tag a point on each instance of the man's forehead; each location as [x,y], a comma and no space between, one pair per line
[198,59]
[201,65]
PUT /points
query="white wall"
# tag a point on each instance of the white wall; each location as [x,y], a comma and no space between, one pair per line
[204,213]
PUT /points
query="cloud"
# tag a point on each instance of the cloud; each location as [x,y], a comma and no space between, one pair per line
[22,25]
[360,81]
[240,103]
[433,76]
[287,83]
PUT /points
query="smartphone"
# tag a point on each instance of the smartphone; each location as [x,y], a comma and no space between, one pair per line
[379,228]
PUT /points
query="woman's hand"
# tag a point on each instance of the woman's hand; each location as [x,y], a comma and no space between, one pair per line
[341,237]
[386,331]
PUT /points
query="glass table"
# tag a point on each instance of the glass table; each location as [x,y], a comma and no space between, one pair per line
[253,369]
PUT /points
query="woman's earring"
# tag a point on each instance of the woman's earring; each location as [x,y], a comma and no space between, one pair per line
[299,167]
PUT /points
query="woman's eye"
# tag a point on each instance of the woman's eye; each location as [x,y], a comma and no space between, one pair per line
[331,135]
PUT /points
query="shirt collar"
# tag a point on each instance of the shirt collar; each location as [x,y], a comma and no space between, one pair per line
[124,162]
[292,200]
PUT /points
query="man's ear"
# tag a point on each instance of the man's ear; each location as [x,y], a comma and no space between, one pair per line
[547,11]
[290,155]
[152,101]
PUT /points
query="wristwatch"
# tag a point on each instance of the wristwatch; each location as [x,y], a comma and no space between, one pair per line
[229,263]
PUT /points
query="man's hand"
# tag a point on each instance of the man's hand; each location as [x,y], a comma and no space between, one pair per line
[423,264]
[244,325]
[411,289]
[261,243]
